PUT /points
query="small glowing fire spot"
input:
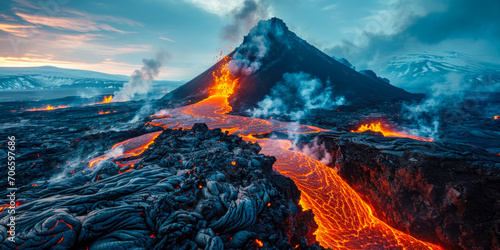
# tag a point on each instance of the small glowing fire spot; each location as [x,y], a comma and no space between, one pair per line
[34,185]
[201,186]
[233,163]
[152,235]
[269,204]
[258,242]
[496,117]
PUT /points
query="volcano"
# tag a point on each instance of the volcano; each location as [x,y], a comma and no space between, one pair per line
[271,50]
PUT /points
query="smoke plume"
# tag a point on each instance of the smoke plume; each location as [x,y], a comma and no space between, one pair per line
[141,80]
[244,18]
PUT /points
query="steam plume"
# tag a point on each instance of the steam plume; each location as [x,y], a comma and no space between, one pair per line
[295,96]
[447,95]
[141,80]
[247,58]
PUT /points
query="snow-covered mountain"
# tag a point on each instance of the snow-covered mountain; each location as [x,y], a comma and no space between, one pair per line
[53,77]
[419,71]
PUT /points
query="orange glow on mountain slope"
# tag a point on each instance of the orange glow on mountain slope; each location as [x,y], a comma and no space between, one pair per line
[345,221]
[496,117]
[49,107]
[387,131]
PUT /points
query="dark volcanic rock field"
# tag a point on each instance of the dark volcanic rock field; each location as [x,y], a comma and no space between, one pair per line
[192,189]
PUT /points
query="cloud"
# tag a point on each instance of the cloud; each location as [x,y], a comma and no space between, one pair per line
[243,14]
[330,7]
[68,23]
[19,30]
[47,59]
[458,25]
[166,39]
[218,7]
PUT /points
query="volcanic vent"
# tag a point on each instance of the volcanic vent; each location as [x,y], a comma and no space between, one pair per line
[271,50]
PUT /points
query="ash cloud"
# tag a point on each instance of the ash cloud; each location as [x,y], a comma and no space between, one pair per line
[458,25]
[244,18]
[142,79]
[295,96]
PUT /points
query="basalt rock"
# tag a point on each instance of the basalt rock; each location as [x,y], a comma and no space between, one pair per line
[444,193]
[191,189]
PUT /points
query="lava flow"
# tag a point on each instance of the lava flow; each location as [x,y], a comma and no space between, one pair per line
[344,220]
[387,131]
[129,148]
[49,107]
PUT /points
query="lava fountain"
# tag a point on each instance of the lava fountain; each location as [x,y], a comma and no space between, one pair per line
[387,131]
[344,220]
[107,99]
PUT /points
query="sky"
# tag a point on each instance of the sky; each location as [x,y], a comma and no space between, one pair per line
[114,36]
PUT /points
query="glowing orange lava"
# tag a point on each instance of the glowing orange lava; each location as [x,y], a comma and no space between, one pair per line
[345,221]
[49,107]
[131,148]
[496,117]
[259,243]
[387,131]
[107,99]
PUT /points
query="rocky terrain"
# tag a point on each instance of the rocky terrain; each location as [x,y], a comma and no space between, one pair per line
[446,194]
[190,189]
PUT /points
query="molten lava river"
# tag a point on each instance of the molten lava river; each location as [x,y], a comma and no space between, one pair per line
[344,220]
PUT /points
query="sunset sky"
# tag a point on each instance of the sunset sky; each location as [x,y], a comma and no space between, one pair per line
[114,36]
